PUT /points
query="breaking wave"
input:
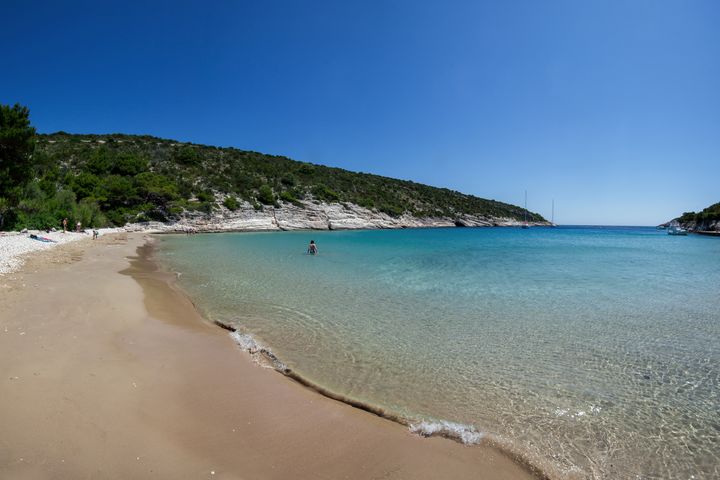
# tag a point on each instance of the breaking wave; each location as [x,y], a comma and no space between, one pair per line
[466,434]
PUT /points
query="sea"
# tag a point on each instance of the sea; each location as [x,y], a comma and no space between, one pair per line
[589,352]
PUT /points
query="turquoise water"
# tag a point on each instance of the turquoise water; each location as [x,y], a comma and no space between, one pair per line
[592,351]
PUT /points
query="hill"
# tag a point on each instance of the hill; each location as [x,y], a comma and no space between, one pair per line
[115,179]
[707,220]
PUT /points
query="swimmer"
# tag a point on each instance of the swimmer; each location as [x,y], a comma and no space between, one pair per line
[312,248]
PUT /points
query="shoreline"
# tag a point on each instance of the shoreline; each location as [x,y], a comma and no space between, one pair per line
[118,376]
[158,228]
[263,356]
[465,435]
[16,246]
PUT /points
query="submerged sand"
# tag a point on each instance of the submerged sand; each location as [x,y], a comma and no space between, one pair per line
[108,371]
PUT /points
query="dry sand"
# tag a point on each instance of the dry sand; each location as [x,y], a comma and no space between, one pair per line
[109,375]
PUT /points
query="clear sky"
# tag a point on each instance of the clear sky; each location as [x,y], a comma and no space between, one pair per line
[612,108]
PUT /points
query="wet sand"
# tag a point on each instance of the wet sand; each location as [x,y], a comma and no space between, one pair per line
[108,371]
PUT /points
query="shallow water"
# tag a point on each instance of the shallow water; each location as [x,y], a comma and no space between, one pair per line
[592,350]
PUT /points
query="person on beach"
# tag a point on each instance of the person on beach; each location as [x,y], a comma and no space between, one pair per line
[64,225]
[312,248]
[77,226]
[95,234]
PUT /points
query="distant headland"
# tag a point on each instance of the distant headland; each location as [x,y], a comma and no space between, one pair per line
[706,221]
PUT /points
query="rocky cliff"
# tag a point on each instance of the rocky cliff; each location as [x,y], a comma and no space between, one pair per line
[312,215]
[695,226]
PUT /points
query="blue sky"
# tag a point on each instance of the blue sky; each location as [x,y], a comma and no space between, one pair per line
[612,108]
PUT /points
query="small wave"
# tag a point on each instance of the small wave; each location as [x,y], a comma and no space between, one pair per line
[245,341]
[259,353]
[466,434]
[458,432]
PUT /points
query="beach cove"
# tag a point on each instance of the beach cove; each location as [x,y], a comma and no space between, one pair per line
[108,371]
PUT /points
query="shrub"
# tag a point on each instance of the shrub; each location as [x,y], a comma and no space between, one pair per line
[324,193]
[129,164]
[156,188]
[84,184]
[188,156]
[205,197]
[287,196]
[392,210]
[88,212]
[266,195]
[100,162]
[306,169]
[231,203]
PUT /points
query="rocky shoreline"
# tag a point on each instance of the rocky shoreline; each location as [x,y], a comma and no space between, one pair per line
[306,215]
[711,227]
[313,215]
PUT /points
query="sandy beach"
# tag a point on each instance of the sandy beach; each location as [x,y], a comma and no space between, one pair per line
[108,371]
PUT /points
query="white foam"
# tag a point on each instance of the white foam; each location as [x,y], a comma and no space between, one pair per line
[248,343]
[467,434]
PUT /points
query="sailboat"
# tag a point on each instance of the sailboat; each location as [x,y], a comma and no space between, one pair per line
[525,223]
[552,217]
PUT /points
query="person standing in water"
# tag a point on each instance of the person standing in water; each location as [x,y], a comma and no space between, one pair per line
[312,248]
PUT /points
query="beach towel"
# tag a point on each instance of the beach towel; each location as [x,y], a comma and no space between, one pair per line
[42,239]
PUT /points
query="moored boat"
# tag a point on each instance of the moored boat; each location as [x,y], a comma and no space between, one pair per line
[675,230]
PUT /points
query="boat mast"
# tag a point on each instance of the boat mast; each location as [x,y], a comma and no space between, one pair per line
[552,217]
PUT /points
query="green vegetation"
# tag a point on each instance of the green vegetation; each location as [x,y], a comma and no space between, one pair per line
[265,195]
[17,142]
[231,203]
[707,215]
[113,179]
